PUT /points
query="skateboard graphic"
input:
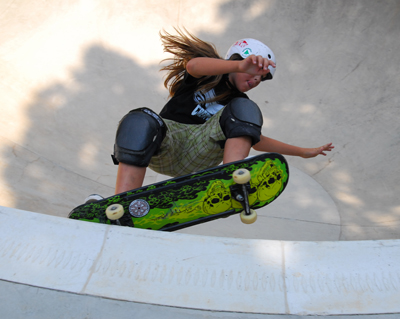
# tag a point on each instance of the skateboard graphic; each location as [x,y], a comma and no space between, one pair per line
[238,187]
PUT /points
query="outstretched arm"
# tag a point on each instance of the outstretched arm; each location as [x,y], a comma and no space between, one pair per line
[267,144]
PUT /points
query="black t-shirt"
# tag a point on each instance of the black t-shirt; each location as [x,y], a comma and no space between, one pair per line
[189,107]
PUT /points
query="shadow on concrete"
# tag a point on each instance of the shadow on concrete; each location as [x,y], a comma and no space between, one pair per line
[337,80]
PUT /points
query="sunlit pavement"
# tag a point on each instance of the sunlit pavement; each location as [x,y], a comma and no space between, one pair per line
[70,71]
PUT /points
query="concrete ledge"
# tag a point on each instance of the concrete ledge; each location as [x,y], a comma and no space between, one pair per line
[197,272]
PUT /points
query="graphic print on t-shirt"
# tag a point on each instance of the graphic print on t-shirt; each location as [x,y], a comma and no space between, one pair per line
[205,110]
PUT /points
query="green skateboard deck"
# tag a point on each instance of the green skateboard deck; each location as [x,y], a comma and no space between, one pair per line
[193,199]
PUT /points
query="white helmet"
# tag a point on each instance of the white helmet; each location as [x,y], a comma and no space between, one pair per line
[246,47]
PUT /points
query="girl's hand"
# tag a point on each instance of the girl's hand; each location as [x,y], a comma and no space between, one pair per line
[255,65]
[312,152]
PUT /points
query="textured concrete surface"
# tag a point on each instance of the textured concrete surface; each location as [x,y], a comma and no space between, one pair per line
[58,263]
[71,70]
[74,306]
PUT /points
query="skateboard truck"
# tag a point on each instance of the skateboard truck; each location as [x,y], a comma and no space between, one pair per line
[240,192]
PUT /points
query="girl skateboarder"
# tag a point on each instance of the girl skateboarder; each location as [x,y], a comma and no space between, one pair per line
[208,118]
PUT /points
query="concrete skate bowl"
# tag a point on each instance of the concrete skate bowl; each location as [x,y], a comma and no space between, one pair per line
[70,71]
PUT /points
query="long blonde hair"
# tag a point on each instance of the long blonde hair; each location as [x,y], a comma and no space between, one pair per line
[185,47]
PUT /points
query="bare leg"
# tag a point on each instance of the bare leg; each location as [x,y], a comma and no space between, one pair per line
[129,177]
[236,149]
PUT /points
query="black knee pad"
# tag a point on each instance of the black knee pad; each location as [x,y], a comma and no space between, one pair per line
[242,117]
[139,137]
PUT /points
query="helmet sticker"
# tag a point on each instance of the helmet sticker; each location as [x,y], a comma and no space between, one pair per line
[246,52]
[241,43]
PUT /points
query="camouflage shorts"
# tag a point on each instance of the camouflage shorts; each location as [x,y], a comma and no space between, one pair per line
[189,148]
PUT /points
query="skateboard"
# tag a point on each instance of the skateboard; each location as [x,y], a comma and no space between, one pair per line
[238,187]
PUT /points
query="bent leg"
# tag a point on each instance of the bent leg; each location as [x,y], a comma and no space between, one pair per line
[241,122]
[242,117]
[129,177]
[139,136]
[236,149]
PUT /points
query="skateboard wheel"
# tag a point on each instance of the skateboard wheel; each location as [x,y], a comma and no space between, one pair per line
[248,219]
[241,176]
[115,211]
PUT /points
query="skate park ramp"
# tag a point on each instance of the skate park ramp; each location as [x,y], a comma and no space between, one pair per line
[71,70]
